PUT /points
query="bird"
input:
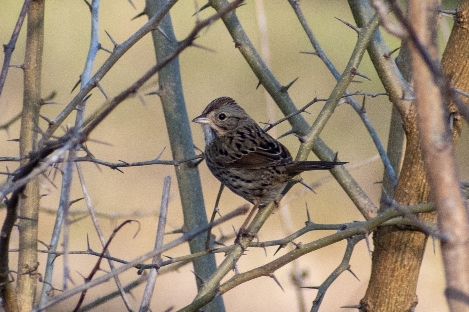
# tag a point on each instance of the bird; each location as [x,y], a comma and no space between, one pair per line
[246,159]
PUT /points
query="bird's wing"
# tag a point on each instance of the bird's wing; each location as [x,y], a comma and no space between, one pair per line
[253,149]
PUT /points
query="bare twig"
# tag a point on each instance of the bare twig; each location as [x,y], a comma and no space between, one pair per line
[97,267]
[10,47]
[343,266]
[147,294]
[75,137]
[358,228]
[184,238]
[8,124]
[100,233]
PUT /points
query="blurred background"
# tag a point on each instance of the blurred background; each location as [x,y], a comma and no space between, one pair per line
[136,132]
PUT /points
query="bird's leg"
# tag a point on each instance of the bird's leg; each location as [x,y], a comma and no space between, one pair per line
[243,227]
[215,210]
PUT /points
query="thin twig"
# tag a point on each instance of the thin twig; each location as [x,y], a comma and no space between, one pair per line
[150,286]
[184,238]
[10,47]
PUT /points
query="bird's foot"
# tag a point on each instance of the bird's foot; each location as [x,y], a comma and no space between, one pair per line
[243,233]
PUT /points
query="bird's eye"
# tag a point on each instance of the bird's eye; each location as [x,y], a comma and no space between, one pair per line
[222,116]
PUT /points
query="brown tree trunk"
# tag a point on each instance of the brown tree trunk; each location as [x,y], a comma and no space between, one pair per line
[28,208]
[398,252]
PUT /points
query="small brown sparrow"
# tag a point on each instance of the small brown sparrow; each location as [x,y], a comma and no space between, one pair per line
[247,160]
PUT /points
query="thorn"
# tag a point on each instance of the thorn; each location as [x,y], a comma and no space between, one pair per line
[163,33]
[161,153]
[363,109]
[112,39]
[357,29]
[48,103]
[358,306]
[268,124]
[285,88]
[86,97]
[297,245]
[367,241]
[234,230]
[51,96]
[388,55]
[336,157]
[78,219]
[286,134]
[88,4]
[142,100]
[354,72]
[157,92]
[219,243]
[198,277]
[88,242]
[76,85]
[177,231]
[276,281]
[132,4]
[350,270]
[102,90]
[75,201]
[203,48]
[138,15]
[46,119]
[17,66]
[310,287]
[45,245]
[100,46]
[82,276]
[258,84]
[205,6]
[307,215]
[306,185]
[311,53]
[279,247]
[434,244]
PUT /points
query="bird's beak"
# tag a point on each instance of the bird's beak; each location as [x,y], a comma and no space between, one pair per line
[202,119]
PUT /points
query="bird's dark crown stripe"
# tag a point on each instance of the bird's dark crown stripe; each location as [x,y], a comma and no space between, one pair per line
[217,103]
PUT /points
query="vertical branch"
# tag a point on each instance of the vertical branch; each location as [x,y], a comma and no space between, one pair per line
[7,291]
[151,281]
[29,200]
[182,146]
[436,139]
[395,85]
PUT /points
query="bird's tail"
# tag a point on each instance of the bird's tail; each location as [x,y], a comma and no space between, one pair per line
[301,166]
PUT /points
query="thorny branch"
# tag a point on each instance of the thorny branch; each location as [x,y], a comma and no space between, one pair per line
[343,266]
[184,238]
[97,267]
[10,47]
[74,137]
[358,228]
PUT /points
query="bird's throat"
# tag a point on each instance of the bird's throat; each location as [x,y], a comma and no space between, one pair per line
[209,134]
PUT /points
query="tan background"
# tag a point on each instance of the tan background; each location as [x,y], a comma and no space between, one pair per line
[136,132]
